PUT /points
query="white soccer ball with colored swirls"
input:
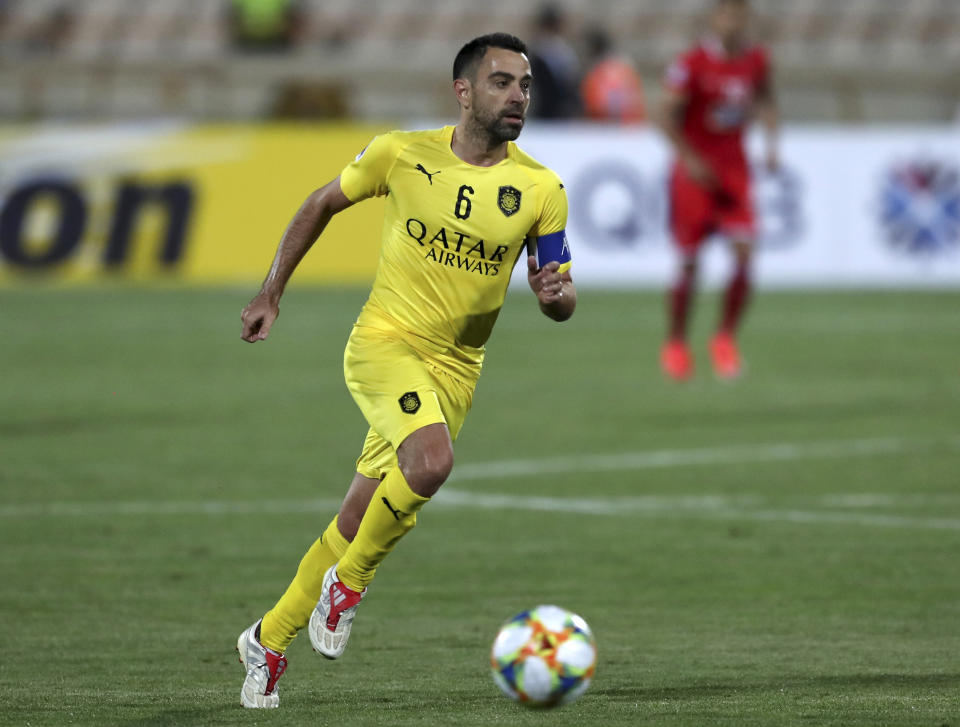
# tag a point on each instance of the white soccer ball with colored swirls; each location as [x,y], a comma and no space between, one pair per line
[544,657]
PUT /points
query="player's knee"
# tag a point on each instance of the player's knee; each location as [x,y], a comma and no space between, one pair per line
[428,474]
[426,468]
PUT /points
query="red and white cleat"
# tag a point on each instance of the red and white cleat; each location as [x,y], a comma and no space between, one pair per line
[332,618]
[676,360]
[725,356]
[264,668]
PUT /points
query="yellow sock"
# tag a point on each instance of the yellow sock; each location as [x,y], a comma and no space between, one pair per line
[392,513]
[293,610]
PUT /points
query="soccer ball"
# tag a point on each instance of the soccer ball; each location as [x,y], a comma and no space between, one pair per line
[544,657]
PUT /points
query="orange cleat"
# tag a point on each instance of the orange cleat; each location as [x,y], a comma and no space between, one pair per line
[725,356]
[676,360]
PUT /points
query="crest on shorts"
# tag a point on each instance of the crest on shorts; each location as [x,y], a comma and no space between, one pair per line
[508,200]
[410,402]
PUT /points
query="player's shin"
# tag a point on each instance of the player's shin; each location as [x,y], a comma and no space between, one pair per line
[292,611]
[735,298]
[392,513]
[678,302]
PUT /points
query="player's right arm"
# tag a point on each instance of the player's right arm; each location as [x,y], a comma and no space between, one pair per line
[301,233]
[673,108]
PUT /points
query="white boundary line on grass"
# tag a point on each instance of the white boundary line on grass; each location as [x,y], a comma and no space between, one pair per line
[721,507]
[707,507]
[733,454]
[704,507]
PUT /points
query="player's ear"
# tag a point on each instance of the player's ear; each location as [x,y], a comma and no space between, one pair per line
[463,91]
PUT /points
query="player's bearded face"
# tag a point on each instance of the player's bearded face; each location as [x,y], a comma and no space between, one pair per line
[501,94]
[501,124]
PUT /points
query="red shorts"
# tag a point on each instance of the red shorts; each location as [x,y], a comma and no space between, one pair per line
[696,212]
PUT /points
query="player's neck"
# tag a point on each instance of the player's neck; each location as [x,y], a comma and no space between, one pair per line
[475,147]
[730,47]
[734,46]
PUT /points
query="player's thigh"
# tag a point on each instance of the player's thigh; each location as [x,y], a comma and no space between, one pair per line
[455,397]
[442,398]
[736,218]
[691,211]
[393,387]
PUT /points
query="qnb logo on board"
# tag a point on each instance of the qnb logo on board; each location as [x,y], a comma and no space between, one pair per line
[67,216]
[920,207]
[612,205]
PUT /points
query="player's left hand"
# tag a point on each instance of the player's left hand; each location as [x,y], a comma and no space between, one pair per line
[545,282]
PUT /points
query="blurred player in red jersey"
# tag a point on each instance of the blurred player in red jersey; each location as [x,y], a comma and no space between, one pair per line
[711,93]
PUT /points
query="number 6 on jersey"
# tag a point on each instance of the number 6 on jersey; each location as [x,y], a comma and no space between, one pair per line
[464,203]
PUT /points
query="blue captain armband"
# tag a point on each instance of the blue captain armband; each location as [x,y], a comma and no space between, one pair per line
[554,248]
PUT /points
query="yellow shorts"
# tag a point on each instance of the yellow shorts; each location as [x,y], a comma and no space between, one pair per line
[399,390]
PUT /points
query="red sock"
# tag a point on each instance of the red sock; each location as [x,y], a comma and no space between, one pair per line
[735,300]
[679,304]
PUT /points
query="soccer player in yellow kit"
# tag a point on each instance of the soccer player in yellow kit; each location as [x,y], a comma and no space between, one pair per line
[463,204]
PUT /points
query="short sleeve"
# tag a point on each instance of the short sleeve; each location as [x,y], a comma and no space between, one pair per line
[552,214]
[679,75]
[366,176]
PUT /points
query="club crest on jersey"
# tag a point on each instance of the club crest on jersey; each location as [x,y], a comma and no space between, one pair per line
[410,402]
[509,200]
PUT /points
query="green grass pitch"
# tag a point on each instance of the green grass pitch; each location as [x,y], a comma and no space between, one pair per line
[784,550]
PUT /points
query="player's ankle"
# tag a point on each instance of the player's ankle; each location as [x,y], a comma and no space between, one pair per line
[350,584]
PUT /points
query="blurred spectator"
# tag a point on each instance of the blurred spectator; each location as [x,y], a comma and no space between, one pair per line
[50,35]
[262,25]
[612,90]
[555,66]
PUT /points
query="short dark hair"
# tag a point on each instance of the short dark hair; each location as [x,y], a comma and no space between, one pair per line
[473,52]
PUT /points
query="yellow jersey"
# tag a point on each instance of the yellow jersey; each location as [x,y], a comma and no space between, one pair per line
[452,233]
